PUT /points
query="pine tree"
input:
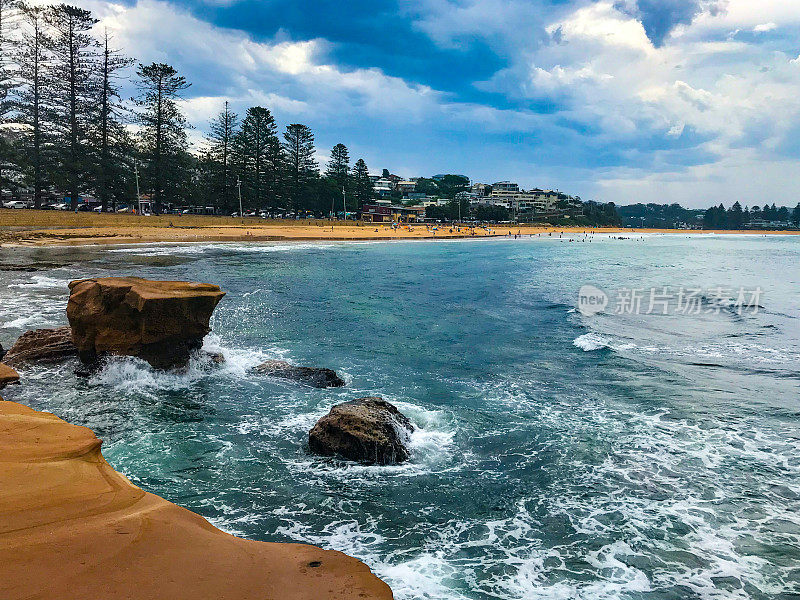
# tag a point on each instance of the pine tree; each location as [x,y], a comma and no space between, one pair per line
[301,167]
[796,215]
[259,157]
[111,138]
[338,171]
[74,61]
[362,184]
[163,129]
[735,216]
[10,159]
[339,165]
[33,97]
[9,17]
[222,133]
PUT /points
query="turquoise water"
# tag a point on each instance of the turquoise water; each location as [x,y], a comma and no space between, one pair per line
[556,455]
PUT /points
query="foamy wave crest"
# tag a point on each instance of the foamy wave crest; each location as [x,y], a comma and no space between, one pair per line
[134,374]
[239,361]
[184,248]
[42,282]
[23,322]
[432,438]
[589,342]
[166,249]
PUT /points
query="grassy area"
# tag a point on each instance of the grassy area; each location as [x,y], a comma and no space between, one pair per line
[59,218]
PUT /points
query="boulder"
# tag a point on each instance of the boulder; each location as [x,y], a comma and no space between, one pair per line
[7,375]
[41,345]
[369,430]
[321,378]
[162,322]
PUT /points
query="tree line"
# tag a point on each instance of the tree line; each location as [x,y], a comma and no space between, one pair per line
[67,131]
[736,217]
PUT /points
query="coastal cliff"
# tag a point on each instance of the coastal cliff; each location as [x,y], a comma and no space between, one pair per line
[73,528]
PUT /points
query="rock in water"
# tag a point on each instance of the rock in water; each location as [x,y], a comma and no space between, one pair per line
[7,375]
[321,378]
[41,344]
[161,322]
[370,430]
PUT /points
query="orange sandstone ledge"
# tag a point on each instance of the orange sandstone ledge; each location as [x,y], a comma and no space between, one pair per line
[73,528]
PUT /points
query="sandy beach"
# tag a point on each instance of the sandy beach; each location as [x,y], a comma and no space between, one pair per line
[51,228]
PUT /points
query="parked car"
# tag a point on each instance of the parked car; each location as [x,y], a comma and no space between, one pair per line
[16,204]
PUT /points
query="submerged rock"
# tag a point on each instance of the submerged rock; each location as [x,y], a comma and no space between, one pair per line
[370,430]
[215,358]
[30,267]
[47,345]
[7,376]
[162,322]
[321,378]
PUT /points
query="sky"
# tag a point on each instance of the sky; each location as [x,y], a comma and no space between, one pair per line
[688,101]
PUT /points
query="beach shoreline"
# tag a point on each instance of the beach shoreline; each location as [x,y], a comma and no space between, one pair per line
[50,228]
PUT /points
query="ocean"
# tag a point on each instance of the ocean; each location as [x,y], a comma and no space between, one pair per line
[649,451]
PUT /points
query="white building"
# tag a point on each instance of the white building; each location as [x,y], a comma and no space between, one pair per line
[510,196]
[406,186]
[382,186]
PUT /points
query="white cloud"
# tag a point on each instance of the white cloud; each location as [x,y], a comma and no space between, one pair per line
[295,72]
[764,27]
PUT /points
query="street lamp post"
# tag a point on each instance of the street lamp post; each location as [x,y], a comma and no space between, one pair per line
[138,195]
[239,187]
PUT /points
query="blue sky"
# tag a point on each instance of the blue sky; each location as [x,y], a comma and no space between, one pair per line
[690,101]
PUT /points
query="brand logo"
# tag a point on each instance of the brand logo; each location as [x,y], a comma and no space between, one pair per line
[591,300]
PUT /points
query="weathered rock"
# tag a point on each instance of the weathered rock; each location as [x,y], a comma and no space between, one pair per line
[370,430]
[162,322]
[48,345]
[72,528]
[215,358]
[30,267]
[321,378]
[7,376]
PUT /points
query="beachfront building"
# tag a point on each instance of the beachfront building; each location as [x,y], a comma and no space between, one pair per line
[505,194]
[382,212]
[509,195]
[434,202]
[405,186]
[481,190]
[383,187]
